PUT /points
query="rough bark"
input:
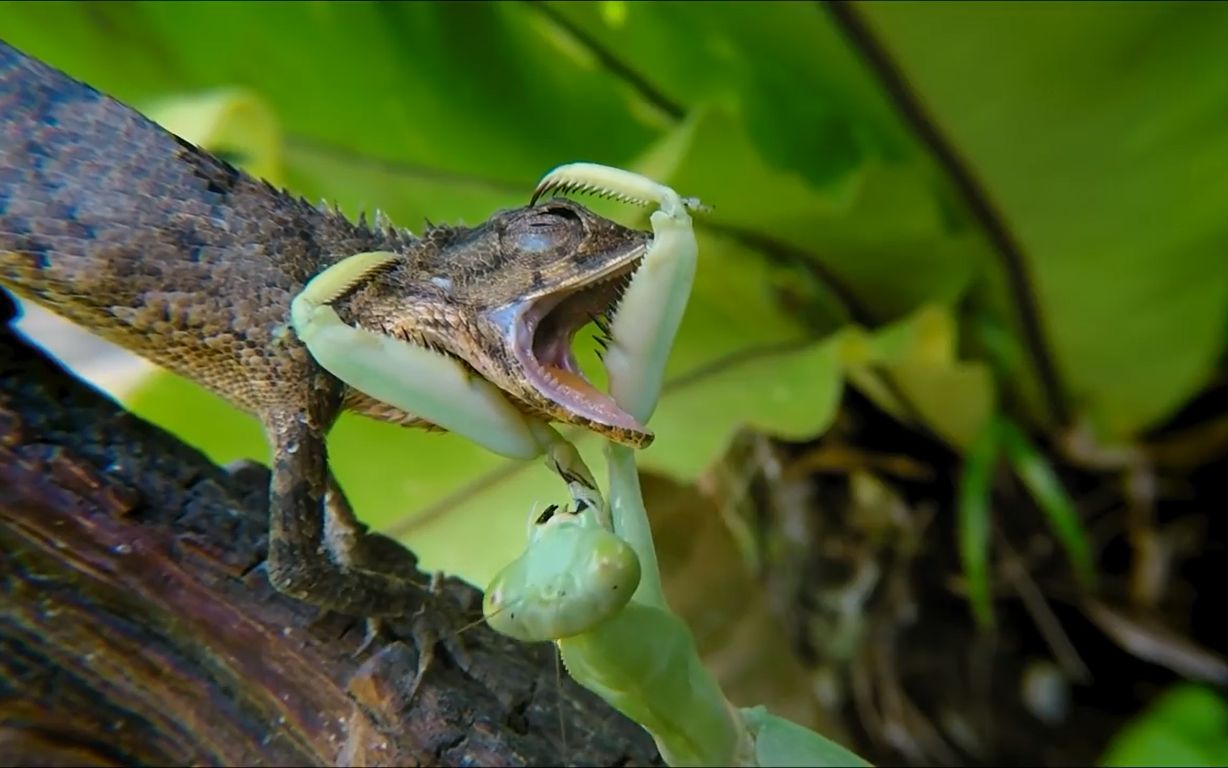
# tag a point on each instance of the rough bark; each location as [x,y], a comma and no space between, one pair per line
[137,625]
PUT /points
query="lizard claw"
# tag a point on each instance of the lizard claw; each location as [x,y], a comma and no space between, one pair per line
[375,629]
[430,629]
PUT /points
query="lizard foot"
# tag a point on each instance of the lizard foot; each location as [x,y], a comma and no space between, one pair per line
[433,625]
[375,629]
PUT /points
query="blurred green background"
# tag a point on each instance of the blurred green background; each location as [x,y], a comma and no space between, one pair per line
[1059,256]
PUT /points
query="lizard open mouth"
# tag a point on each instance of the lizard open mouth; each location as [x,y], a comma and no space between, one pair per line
[542,334]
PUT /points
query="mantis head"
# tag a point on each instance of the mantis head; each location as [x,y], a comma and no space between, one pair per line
[573,575]
[506,298]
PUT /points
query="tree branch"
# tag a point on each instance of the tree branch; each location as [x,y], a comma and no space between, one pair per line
[137,625]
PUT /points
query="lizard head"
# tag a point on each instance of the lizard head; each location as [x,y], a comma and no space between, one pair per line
[507,297]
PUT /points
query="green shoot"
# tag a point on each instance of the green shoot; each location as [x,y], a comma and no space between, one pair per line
[1042,482]
[974,520]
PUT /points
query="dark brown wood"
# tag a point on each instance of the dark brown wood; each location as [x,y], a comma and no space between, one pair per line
[137,625]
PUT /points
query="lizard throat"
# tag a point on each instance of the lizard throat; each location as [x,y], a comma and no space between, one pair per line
[542,342]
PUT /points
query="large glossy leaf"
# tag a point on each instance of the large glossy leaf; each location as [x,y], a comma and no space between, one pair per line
[826,208]
[780,65]
[467,88]
[1098,131]
[801,145]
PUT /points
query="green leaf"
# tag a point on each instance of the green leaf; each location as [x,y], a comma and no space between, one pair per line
[809,105]
[858,233]
[918,355]
[1187,725]
[1096,129]
[790,394]
[456,87]
[974,523]
[955,400]
[233,123]
[1042,482]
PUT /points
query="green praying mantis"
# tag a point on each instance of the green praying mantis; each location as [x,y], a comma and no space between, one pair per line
[588,579]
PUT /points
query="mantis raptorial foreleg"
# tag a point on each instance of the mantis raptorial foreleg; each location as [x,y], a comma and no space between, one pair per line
[647,319]
[571,582]
[439,390]
[643,329]
[544,582]
[426,383]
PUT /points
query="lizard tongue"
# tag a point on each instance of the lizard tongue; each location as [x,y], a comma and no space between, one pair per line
[541,334]
[574,381]
[562,381]
[575,393]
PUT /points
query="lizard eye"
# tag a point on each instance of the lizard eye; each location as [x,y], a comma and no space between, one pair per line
[548,228]
[536,240]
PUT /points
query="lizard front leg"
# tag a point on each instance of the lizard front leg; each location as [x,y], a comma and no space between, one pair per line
[321,554]
[309,560]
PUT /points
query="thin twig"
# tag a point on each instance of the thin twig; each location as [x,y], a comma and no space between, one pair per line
[1011,255]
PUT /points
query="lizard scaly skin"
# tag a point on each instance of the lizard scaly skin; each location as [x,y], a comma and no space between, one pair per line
[164,249]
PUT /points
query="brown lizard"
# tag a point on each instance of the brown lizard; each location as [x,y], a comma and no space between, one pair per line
[167,250]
